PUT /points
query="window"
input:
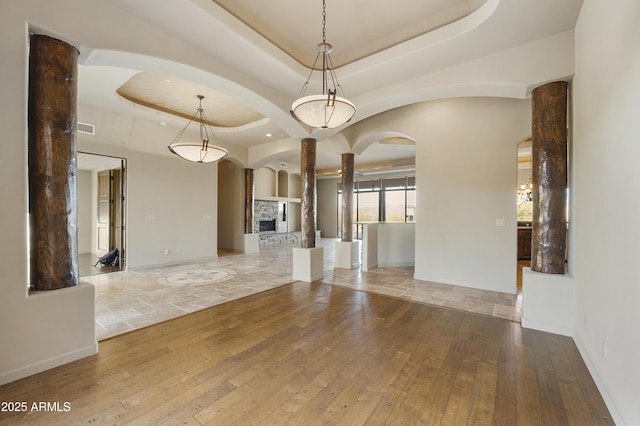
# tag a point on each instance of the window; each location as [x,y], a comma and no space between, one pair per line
[368,206]
[381,200]
[394,202]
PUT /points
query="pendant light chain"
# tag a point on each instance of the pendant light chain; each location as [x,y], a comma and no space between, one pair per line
[325,53]
[204,137]
[324,21]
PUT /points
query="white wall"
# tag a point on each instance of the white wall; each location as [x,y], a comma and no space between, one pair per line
[283,183]
[294,217]
[231,206]
[396,244]
[295,185]
[264,181]
[465,175]
[370,246]
[606,200]
[388,244]
[327,207]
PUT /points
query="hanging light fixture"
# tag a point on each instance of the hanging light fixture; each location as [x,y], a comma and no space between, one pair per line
[525,192]
[327,110]
[198,151]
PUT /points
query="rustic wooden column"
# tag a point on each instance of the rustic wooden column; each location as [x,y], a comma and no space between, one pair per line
[347,196]
[53,69]
[549,175]
[248,201]
[308,201]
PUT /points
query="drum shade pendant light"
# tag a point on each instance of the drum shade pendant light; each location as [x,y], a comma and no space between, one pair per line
[198,151]
[326,110]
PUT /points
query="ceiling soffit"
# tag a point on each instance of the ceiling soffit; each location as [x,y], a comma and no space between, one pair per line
[179,97]
[356,28]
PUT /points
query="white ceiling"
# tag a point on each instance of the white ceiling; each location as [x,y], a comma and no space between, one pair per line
[359,27]
[249,55]
[97,163]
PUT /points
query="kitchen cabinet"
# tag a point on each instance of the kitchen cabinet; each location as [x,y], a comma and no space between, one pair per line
[524,243]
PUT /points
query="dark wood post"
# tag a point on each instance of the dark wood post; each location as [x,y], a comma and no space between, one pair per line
[248,201]
[347,196]
[53,68]
[549,175]
[308,201]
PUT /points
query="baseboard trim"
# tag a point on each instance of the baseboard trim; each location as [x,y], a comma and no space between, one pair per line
[46,364]
[611,406]
[548,328]
[395,264]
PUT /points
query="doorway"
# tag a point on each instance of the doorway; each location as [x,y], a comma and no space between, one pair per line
[101,183]
[524,208]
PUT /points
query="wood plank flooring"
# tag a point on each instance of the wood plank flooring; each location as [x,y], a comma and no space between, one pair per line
[312,354]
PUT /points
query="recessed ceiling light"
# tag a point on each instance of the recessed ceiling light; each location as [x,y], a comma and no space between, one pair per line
[162,123]
[167,81]
[268,135]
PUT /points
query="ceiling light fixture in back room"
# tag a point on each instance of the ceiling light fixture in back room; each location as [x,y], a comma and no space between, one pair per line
[198,151]
[327,110]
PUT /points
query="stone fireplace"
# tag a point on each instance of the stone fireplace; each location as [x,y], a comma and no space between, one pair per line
[271,220]
[265,211]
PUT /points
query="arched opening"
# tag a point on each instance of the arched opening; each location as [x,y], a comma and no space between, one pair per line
[524,207]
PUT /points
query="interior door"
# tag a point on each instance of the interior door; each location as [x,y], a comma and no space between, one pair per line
[117,195]
[104,219]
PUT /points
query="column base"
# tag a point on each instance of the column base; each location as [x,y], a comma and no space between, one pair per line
[308,264]
[548,302]
[347,254]
[251,243]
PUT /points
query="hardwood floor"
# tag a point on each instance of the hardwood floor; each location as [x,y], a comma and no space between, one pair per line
[305,354]
[134,299]
[521,264]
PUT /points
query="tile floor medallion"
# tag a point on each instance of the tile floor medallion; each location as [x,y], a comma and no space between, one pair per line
[126,300]
[199,277]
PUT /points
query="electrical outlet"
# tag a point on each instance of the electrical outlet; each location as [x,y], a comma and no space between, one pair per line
[166,252]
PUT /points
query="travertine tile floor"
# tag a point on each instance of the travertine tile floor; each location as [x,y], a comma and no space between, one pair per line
[136,298]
